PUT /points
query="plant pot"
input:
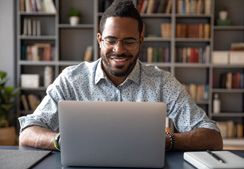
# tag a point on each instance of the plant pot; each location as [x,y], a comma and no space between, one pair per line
[74,20]
[8,136]
[223,15]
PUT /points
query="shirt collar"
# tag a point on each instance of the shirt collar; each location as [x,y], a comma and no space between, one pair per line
[99,74]
[134,76]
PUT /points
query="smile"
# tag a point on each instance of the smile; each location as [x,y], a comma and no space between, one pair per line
[119,60]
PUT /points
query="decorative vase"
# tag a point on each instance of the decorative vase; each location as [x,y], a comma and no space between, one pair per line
[8,136]
[223,15]
[74,20]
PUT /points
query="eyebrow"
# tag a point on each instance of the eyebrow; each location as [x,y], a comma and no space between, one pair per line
[128,38]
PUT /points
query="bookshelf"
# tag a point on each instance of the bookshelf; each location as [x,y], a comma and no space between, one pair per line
[70,42]
[232,99]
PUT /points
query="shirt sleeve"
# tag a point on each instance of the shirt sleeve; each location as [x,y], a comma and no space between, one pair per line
[46,114]
[181,109]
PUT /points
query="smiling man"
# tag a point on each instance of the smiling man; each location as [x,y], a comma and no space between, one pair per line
[120,76]
[120,43]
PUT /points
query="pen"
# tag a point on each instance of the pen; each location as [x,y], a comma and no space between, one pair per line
[215,156]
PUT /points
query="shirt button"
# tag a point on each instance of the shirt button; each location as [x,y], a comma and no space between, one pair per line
[117,91]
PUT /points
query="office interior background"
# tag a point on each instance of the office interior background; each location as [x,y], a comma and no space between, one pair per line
[189,38]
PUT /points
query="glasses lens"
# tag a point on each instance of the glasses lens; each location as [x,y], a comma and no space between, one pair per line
[128,44]
[109,43]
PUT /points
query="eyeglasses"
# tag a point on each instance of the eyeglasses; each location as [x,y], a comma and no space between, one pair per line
[128,44]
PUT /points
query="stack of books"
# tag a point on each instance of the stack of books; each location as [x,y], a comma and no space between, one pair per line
[154,6]
[44,6]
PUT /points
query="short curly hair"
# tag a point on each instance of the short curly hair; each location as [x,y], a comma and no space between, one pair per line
[121,8]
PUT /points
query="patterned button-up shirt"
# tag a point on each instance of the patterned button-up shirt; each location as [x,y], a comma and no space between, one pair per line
[88,82]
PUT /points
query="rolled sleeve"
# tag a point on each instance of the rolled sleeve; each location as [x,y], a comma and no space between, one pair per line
[46,114]
[183,111]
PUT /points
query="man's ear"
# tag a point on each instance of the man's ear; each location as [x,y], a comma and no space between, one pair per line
[99,39]
[142,35]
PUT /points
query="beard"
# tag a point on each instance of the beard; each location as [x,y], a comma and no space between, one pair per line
[119,73]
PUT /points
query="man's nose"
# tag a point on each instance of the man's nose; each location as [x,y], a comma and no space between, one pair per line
[119,48]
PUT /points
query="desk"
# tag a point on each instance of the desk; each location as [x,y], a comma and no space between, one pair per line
[173,160]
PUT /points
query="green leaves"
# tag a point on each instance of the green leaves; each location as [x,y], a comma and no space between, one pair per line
[74,12]
[7,99]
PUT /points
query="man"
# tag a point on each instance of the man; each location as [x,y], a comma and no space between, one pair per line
[120,76]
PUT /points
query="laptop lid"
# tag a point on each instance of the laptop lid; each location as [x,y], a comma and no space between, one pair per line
[112,134]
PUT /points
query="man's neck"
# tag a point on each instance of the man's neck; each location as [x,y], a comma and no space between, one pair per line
[116,80]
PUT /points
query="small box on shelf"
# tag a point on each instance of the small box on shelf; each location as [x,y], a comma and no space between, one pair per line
[220,57]
[237,57]
[30,80]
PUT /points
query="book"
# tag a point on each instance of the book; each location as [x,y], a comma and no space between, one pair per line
[169,6]
[29,30]
[149,54]
[25,27]
[144,7]
[34,101]
[22,5]
[51,6]
[38,28]
[207,8]
[229,80]
[150,6]
[88,54]
[34,27]
[27,6]
[39,6]
[24,102]
[201,159]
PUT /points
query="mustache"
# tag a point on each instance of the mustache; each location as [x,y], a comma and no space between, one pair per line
[111,55]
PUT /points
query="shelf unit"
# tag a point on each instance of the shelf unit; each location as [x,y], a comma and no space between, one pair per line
[232,100]
[71,41]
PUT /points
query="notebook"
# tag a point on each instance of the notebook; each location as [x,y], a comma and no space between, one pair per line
[202,159]
[21,159]
[112,134]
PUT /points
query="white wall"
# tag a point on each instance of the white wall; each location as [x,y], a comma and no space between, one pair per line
[7,36]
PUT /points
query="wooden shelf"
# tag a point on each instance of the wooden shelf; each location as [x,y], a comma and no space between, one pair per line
[192,16]
[202,102]
[37,63]
[37,14]
[34,89]
[228,114]
[234,141]
[37,37]
[227,90]
[192,40]
[229,28]
[156,39]
[82,26]
[68,63]
[192,65]
[227,66]
[158,64]
[156,15]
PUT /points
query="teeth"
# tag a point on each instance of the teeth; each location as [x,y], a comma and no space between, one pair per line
[119,60]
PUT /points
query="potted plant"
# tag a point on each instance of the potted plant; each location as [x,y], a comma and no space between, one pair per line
[7,101]
[74,16]
[223,13]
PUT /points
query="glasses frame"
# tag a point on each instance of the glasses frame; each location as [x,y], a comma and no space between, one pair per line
[104,41]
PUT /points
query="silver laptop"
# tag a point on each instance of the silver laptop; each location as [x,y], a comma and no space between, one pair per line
[112,134]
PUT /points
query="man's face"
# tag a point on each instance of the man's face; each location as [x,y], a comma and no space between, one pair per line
[119,61]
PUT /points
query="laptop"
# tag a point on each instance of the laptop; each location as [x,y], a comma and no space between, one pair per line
[112,134]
